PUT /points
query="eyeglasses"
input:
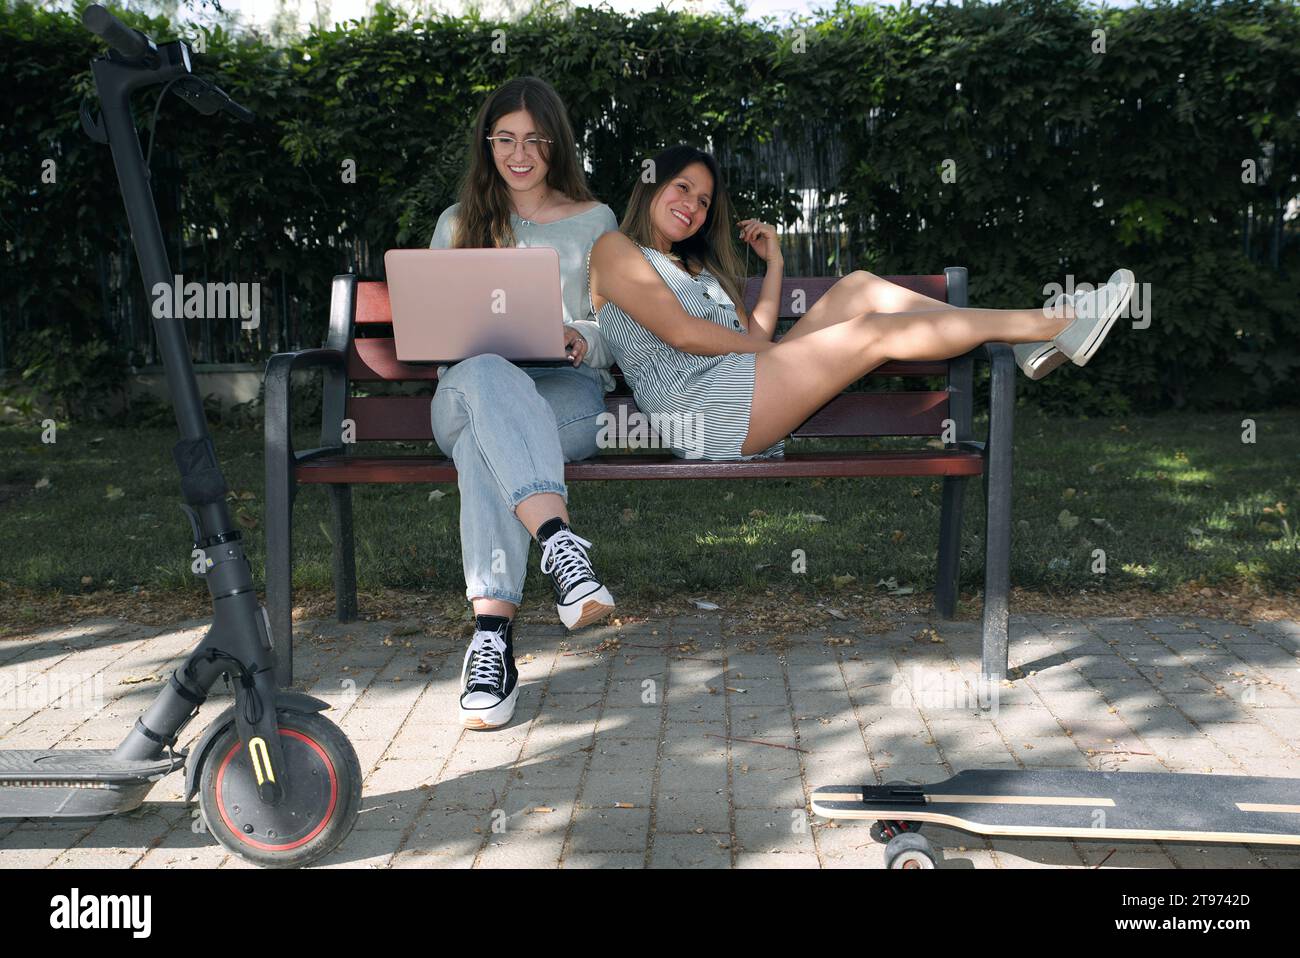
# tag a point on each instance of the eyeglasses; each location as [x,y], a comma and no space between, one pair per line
[505,145]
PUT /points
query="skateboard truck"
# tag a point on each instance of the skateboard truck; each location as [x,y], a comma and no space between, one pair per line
[896,795]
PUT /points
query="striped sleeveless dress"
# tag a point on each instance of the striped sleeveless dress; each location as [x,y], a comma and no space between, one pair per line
[699,405]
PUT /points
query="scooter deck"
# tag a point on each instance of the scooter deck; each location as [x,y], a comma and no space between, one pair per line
[75,783]
[1083,804]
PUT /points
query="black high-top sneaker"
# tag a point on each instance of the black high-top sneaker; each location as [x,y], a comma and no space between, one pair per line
[579,596]
[488,676]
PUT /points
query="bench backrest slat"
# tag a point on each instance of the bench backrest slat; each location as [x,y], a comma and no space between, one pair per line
[371,357]
[374,359]
[373,305]
[878,414]
[852,415]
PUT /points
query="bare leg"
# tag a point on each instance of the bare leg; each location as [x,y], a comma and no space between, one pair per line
[785,394]
[857,293]
[536,509]
[494,607]
[532,512]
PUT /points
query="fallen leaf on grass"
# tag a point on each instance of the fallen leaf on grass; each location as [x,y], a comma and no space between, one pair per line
[893,588]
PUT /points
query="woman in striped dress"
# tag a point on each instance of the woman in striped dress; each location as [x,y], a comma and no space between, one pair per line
[666,291]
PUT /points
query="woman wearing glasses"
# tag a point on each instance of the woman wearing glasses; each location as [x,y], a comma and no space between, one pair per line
[510,429]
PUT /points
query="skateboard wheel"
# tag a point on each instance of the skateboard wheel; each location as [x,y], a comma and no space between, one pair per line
[909,850]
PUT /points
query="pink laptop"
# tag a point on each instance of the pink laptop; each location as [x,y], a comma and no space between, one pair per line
[451,304]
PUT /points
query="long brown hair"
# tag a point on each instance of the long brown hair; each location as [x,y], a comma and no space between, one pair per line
[711,246]
[483,219]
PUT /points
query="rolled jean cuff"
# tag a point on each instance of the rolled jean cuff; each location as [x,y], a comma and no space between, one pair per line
[533,488]
[486,592]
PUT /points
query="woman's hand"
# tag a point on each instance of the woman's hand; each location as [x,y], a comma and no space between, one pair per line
[762,239]
[575,344]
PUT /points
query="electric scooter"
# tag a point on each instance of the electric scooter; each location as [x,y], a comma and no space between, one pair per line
[278,783]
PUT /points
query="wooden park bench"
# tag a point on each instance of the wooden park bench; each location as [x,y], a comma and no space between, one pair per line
[359,349]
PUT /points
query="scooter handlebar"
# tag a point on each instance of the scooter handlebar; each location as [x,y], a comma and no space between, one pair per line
[130,43]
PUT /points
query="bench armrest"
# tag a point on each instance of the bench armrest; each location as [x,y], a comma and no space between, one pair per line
[1002,395]
[278,422]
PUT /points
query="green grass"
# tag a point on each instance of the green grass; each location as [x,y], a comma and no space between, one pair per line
[1173,500]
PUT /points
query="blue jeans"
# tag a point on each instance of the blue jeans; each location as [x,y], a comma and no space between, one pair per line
[510,430]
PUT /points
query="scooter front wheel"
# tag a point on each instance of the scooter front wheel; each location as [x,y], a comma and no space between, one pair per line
[322,780]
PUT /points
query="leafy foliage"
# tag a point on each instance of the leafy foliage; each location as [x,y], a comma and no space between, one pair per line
[1068,161]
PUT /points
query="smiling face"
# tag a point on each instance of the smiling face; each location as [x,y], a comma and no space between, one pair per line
[680,209]
[520,169]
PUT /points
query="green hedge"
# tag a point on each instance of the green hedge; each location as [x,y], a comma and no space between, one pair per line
[1067,162]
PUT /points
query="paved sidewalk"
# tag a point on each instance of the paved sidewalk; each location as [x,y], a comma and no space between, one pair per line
[686,743]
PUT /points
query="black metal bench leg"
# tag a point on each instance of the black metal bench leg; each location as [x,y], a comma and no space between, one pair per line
[997,517]
[997,583]
[948,575]
[345,561]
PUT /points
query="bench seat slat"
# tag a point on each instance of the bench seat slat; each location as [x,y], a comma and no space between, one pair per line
[396,469]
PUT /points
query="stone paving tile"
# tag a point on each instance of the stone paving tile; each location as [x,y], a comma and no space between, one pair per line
[691,851]
[606,860]
[700,752]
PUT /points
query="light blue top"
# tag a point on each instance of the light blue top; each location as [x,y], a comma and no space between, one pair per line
[573,238]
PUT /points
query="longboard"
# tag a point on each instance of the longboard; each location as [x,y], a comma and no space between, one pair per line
[1064,803]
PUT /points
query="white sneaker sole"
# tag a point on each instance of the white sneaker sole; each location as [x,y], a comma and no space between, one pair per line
[495,717]
[1042,361]
[590,608]
[1125,281]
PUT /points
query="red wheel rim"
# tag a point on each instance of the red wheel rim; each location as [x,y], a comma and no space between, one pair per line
[264,846]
